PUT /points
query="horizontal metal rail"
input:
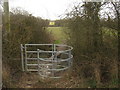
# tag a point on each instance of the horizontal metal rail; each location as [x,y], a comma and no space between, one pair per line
[49,60]
[48,76]
[49,51]
[39,64]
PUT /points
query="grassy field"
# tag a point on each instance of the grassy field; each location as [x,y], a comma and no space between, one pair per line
[58,34]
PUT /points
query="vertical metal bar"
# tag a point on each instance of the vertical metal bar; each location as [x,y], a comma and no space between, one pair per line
[22,58]
[69,61]
[55,53]
[38,60]
[55,58]
[53,48]
[25,58]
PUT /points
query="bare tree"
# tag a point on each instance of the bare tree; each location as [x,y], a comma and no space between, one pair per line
[92,13]
[117,13]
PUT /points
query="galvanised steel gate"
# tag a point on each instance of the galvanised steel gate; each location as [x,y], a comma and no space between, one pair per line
[49,60]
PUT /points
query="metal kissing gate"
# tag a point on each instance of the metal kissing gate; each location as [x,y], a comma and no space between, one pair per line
[49,60]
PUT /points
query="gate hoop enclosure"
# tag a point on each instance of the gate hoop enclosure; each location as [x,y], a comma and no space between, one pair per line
[49,60]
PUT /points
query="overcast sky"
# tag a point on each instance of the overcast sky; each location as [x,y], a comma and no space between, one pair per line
[48,9]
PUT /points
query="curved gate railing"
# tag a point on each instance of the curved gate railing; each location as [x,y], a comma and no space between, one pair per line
[49,60]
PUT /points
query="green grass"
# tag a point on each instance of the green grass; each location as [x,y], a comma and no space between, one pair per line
[58,34]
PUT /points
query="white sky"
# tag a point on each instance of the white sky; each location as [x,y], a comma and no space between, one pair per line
[48,9]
